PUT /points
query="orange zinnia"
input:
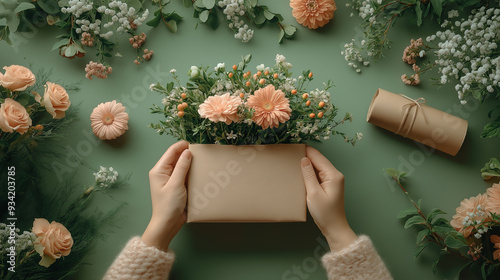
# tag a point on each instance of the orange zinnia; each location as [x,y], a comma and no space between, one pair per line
[467,206]
[493,201]
[313,13]
[271,107]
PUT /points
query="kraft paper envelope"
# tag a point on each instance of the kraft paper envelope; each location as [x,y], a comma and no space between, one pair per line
[261,183]
[417,121]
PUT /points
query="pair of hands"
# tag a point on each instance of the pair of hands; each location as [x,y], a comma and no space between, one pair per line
[324,188]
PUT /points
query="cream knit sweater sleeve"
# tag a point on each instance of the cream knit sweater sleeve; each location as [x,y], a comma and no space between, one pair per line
[358,261]
[138,261]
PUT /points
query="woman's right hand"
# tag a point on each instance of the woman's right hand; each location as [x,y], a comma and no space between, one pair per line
[325,199]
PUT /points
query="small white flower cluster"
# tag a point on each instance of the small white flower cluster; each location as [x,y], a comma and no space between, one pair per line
[104,178]
[352,55]
[281,61]
[23,241]
[220,66]
[77,7]
[231,135]
[234,9]
[86,26]
[470,220]
[468,51]
[126,17]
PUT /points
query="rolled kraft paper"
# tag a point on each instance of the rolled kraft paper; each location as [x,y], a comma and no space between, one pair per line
[261,183]
[429,126]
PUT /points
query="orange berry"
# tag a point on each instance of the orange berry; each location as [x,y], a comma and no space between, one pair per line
[38,127]
[305,95]
[248,83]
[262,81]
[249,73]
[320,115]
[294,91]
[245,75]
[310,74]
[183,95]
[230,75]
[308,103]
[275,75]
[266,73]
[242,95]
[259,73]
[180,107]
[312,115]
[184,105]
[321,104]
[235,67]
[180,114]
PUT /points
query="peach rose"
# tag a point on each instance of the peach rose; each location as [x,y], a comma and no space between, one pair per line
[17,78]
[53,241]
[56,100]
[14,117]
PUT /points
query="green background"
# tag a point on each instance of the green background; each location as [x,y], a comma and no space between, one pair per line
[268,251]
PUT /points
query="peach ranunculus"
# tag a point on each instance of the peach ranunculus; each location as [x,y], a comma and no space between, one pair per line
[53,241]
[493,201]
[56,100]
[271,107]
[109,120]
[313,13]
[470,211]
[14,117]
[220,108]
[17,78]
[495,239]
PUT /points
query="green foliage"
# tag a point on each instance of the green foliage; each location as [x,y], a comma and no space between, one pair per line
[171,20]
[434,229]
[208,12]
[491,129]
[395,174]
[491,169]
[300,128]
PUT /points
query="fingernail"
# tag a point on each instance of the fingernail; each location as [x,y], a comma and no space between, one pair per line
[187,153]
[305,162]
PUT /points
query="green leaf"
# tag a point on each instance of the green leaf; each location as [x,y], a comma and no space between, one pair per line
[421,235]
[491,129]
[415,220]
[13,23]
[172,26]
[434,212]
[394,173]
[419,249]
[213,20]
[483,270]
[407,212]
[3,21]
[49,6]
[209,4]
[199,4]
[435,264]
[60,43]
[281,36]
[418,11]
[268,14]
[437,6]
[23,6]
[491,169]
[453,242]
[290,30]
[204,16]
[70,51]
[154,22]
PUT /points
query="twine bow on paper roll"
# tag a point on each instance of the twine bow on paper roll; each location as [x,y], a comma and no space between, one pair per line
[424,124]
[407,108]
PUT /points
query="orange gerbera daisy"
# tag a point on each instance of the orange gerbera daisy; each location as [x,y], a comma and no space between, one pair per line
[313,13]
[220,108]
[109,120]
[493,202]
[271,107]
[468,206]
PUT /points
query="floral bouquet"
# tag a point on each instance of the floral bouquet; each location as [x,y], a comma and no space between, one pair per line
[473,234]
[238,107]
[26,117]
